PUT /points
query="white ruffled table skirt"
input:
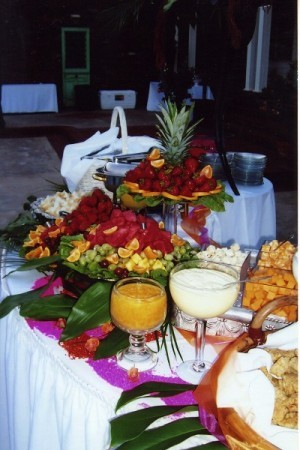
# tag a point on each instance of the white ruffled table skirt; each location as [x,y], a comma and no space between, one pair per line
[51,402]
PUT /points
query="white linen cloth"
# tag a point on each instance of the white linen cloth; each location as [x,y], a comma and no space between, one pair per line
[242,386]
[29,98]
[249,221]
[51,402]
[73,168]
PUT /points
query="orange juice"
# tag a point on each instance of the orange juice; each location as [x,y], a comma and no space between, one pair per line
[138,306]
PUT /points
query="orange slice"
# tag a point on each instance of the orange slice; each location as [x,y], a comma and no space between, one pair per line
[74,255]
[124,252]
[207,171]
[129,202]
[170,196]
[216,191]
[133,244]
[110,230]
[150,193]
[81,245]
[32,242]
[187,198]
[176,240]
[131,185]
[200,194]
[113,259]
[154,154]
[149,253]
[55,233]
[161,225]
[157,163]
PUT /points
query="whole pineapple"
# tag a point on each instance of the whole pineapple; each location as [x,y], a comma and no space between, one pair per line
[175,132]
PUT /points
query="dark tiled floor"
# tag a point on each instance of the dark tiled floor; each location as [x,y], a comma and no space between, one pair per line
[28,160]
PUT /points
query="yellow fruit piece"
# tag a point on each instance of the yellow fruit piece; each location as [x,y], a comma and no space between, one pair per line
[55,233]
[161,225]
[136,258]
[158,163]
[176,240]
[154,154]
[171,196]
[158,265]
[207,171]
[110,230]
[124,252]
[113,259]
[149,253]
[128,201]
[81,245]
[133,244]
[32,242]
[150,193]
[74,255]
[131,185]
[35,253]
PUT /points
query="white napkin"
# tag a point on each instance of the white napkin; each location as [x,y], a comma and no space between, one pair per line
[245,388]
[73,168]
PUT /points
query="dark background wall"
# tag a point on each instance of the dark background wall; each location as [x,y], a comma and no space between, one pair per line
[30,43]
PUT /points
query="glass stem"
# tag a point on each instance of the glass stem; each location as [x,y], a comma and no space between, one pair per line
[199,363]
[137,343]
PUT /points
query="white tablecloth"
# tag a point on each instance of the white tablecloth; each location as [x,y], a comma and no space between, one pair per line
[249,221]
[51,402]
[155,97]
[29,98]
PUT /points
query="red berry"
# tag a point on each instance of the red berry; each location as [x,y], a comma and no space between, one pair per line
[191,164]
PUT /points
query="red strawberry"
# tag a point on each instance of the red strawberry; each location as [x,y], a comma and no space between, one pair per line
[200,180]
[190,184]
[157,185]
[177,171]
[149,172]
[186,191]
[145,183]
[174,190]
[191,164]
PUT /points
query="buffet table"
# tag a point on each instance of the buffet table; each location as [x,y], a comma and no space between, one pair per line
[29,98]
[49,401]
[249,221]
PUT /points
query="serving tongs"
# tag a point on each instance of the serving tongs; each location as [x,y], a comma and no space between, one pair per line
[127,158]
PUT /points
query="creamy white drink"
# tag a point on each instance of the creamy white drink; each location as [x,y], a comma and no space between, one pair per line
[202,293]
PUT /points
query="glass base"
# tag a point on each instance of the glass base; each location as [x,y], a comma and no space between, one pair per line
[186,371]
[142,360]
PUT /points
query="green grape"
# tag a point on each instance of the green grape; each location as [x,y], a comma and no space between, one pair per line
[93,266]
[106,247]
[98,258]
[112,266]
[82,261]
[90,255]
[169,256]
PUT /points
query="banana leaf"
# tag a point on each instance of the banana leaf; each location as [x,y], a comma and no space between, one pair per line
[48,308]
[38,263]
[121,432]
[116,340]
[164,437]
[90,310]
[155,389]
[12,301]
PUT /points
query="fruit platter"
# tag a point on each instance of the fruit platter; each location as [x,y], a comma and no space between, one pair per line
[171,174]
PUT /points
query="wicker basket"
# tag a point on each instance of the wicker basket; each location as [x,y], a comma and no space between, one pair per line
[226,421]
[90,181]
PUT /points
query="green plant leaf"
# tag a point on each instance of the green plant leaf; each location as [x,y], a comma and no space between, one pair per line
[90,310]
[38,263]
[121,432]
[153,389]
[115,341]
[164,437]
[48,308]
[12,301]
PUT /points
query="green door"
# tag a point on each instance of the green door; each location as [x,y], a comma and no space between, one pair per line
[75,61]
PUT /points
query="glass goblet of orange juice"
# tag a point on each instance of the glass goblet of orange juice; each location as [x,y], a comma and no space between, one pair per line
[138,306]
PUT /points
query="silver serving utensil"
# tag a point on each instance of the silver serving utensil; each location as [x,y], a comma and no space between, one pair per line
[291,236]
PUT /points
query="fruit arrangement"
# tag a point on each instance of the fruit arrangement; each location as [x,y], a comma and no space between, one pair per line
[171,173]
[121,247]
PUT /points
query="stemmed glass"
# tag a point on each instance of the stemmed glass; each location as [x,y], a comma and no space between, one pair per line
[138,306]
[202,289]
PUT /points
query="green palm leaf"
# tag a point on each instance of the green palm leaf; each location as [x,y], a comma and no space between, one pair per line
[90,310]
[120,432]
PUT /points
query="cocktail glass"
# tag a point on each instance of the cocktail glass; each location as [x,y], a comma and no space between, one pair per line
[138,306]
[202,289]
